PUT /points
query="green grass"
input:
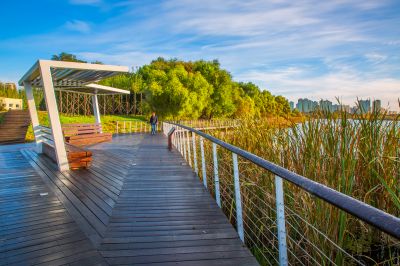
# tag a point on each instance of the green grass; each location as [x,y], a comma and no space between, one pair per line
[108,121]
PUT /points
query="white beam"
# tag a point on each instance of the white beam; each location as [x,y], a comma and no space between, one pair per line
[54,116]
[96,111]
[33,71]
[101,89]
[34,116]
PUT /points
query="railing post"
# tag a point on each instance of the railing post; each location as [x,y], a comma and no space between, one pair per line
[175,138]
[184,145]
[196,169]
[203,162]
[124,126]
[117,127]
[280,216]
[216,176]
[180,141]
[188,148]
[130,126]
[170,135]
[238,198]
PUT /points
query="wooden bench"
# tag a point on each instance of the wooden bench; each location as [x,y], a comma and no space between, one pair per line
[77,157]
[85,134]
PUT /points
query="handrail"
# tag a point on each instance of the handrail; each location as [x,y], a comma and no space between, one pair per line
[209,124]
[371,215]
[135,126]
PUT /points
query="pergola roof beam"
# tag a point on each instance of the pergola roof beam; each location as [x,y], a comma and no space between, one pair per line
[68,76]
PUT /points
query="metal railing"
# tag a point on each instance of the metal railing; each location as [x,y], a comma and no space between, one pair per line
[275,235]
[129,126]
[210,124]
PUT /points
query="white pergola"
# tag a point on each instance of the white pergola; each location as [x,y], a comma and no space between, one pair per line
[65,76]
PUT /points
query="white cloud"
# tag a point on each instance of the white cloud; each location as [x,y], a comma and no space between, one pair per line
[348,87]
[78,25]
[376,58]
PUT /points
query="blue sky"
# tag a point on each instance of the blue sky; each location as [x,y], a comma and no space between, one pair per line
[314,49]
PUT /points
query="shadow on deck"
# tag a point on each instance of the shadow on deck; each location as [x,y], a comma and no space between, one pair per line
[137,204]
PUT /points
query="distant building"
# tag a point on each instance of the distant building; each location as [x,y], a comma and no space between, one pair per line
[10,103]
[376,105]
[326,105]
[306,105]
[345,108]
[364,106]
[291,105]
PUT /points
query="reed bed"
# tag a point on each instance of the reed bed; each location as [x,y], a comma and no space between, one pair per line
[357,156]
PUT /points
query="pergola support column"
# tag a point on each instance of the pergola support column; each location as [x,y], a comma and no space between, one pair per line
[54,117]
[96,110]
[34,116]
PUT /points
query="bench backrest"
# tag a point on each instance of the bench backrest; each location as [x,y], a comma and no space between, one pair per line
[81,129]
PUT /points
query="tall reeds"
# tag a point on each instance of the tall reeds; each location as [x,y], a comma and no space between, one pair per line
[357,155]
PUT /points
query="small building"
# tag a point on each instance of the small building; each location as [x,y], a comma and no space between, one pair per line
[10,103]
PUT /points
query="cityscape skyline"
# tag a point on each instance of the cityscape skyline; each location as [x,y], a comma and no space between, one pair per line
[306,105]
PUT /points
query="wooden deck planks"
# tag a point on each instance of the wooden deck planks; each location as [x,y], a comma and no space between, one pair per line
[138,204]
[36,229]
[164,215]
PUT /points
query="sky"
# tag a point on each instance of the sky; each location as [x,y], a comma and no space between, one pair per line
[299,49]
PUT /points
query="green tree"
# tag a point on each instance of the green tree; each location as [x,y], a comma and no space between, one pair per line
[63,56]
[200,89]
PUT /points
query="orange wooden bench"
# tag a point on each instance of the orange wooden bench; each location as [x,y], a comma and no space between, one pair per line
[85,134]
[77,157]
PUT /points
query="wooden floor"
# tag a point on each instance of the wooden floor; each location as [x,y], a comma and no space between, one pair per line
[35,227]
[137,204]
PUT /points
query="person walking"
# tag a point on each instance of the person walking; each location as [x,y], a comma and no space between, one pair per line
[153,122]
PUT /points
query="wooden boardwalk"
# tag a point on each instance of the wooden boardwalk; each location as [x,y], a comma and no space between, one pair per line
[138,204]
[35,227]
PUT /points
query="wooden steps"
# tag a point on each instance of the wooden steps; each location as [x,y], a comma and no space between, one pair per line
[14,126]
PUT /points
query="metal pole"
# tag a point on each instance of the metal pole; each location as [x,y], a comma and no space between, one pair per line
[280,213]
[184,145]
[96,110]
[175,138]
[238,200]
[117,127]
[203,162]
[196,169]
[188,148]
[216,176]
[180,141]
[130,126]
[124,127]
